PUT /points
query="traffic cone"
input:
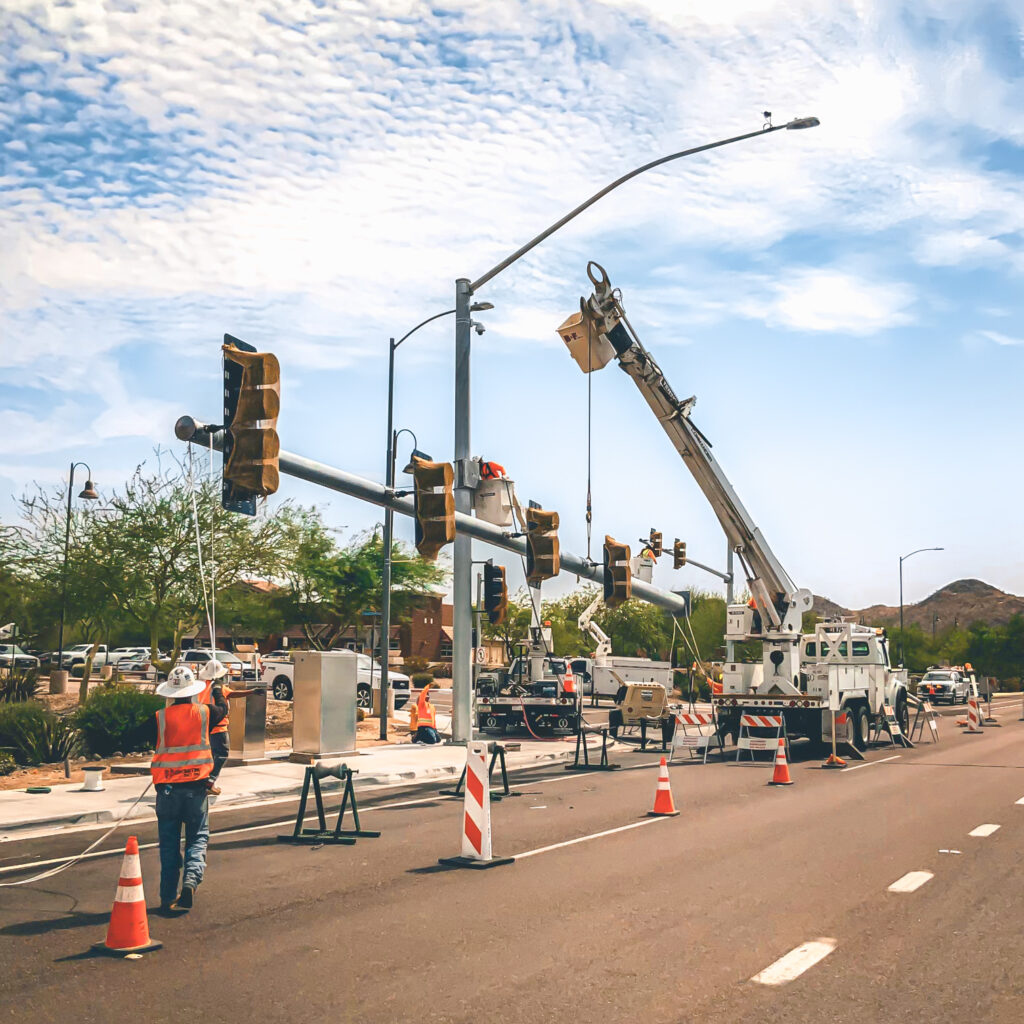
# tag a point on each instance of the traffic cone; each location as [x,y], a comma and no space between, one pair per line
[663,805]
[128,931]
[781,775]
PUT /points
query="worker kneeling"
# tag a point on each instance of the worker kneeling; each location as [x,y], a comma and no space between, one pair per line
[180,768]
[426,718]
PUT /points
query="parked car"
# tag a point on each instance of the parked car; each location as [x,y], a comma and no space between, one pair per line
[142,665]
[13,654]
[277,674]
[197,657]
[119,654]
[944,685]
[77,654]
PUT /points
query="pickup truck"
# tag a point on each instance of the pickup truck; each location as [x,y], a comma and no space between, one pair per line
[278,675]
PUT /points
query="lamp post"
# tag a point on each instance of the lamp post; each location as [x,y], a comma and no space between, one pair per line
[903,558]
[462,712]
[89,493]
[389,516]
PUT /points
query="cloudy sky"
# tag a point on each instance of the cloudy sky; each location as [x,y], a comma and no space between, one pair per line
[313,176]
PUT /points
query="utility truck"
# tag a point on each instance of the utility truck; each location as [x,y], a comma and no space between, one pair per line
[796,676]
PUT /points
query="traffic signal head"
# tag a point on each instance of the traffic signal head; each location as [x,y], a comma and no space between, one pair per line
[252,401]
[655,543]
[678,554]
[618,580]
[435,506]
[495,593]
[542,558]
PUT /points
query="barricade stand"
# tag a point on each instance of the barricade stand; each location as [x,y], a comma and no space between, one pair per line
[581,745]
[497,754]
[683,739]
[925,715]
[337,836]
[476,815]
[769,744]
[888,723]
[834,760]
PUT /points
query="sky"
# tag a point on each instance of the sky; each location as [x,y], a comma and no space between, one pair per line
[313,175]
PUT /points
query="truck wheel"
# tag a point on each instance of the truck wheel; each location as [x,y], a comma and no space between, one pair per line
[282,688]
[363,698]
[857,726]
[903,714]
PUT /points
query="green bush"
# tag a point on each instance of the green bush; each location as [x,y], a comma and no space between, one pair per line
[421,679]
[12,716]
[7,762]
[441,671]
[119,717]
[44,739]
[18,685]
[415,664]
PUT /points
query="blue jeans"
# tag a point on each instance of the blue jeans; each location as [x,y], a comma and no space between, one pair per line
[183,803]
[427,734]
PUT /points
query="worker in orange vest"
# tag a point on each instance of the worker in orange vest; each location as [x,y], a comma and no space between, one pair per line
[181,764]
[209,674]
[426,718]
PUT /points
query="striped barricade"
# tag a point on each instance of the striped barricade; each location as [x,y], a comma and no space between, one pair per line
[766,744]
[696,732]
[476,815]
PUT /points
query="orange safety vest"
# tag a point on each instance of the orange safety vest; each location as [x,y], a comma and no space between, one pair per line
[205,696]
[183,744]
[425,712]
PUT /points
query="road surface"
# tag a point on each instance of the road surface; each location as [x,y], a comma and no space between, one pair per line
[754,904]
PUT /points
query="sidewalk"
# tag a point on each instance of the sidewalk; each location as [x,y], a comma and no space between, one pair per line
[26,815]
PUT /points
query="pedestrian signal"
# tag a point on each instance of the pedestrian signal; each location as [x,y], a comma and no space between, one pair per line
[495,593]
[252,401]
[542,558]
[435,506]
[655,544]
[618,581]
[679,554]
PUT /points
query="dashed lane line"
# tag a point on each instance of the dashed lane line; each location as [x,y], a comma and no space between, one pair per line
[586,839]
[911,881]
[983,830]
[1021,800]
[795,962]
[869,764]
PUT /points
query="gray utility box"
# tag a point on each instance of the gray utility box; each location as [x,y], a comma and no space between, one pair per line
[323,704]
[247,729]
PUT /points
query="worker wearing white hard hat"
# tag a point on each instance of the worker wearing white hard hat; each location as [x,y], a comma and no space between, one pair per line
[182,762]
[214,692]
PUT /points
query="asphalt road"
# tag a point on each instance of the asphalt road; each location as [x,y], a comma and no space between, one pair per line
[666,920]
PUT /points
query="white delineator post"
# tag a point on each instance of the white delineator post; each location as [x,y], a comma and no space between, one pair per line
[476,815]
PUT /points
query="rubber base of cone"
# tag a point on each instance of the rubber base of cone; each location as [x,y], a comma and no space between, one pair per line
[662,814]
[102,947]
[834,762]
[472,862]
[787,782]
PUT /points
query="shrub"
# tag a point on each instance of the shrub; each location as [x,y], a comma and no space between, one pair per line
[415,664]
[12,716]
[7,762]
[119,717]
[45,740]
[441,671]
[19,685]
[421,679]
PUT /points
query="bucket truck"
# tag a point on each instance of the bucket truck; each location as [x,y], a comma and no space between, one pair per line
[806,678]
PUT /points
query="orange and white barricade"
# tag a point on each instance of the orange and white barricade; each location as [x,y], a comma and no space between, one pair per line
[973,714]
[696,731]
[476,815]
[764,744]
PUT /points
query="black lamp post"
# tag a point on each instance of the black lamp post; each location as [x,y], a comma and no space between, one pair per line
[89,493]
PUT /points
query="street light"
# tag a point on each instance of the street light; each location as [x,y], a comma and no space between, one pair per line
[389,515]
[903,558]
[89,493]
[462,568]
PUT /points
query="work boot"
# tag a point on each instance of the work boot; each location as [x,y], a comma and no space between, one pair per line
[184,901]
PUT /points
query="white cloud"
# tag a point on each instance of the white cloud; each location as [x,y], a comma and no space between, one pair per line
[1001,339]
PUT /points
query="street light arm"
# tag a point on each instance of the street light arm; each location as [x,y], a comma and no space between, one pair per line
[903,558]
[436,316]
[547,232]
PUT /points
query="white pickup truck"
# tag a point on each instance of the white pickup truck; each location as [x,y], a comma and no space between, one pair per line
[277,675]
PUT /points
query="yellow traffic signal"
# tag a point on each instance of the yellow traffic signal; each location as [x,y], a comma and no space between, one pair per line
[618,580]
[678,554]
[495,593]
[542,557]
[435,506]
[655,543]
[252,402]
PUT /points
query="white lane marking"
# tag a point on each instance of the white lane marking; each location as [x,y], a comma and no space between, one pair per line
[951,851]
[795,962]
[868,764]
[1021,800]
[983,830]
[911,880]
[539,807]
[584,839]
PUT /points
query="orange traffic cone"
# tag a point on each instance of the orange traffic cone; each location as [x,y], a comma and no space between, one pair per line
[128,931]
[781,775]
[663,805]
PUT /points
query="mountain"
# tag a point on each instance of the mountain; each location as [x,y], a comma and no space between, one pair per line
[959,603]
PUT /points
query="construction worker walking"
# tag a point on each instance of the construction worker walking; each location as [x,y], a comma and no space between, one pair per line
[180,767]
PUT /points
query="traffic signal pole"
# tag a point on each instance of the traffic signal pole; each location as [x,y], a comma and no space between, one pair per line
[189,429]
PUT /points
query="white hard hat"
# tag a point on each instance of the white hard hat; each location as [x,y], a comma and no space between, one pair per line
[180,682]
[213,669]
